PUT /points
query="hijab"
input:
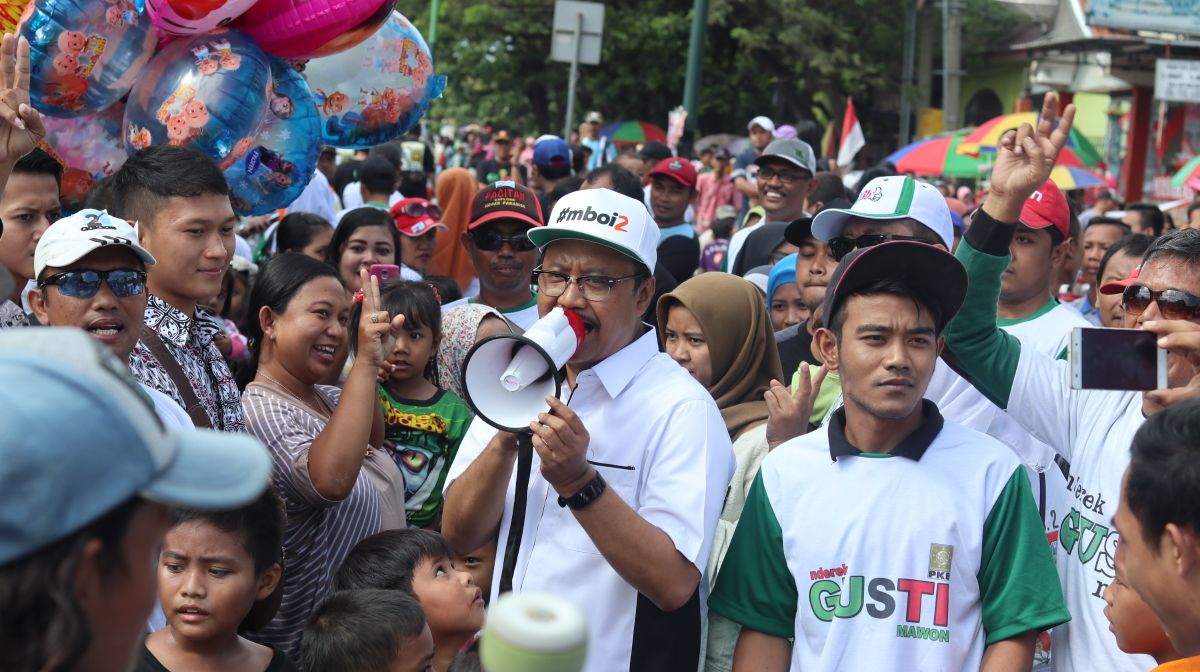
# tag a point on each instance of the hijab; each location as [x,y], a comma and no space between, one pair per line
[456,188]
[758,247]
[741,343]
[782,273]
[459,326]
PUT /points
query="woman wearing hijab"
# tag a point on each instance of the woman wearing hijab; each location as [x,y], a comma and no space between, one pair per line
[717,326]
[462,328]
[783,295]
[765,245]
[456,189]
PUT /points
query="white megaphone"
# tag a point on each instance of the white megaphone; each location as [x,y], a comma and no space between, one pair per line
[507,377]
[534,632]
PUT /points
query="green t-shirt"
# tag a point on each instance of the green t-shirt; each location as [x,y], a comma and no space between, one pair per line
[423,438]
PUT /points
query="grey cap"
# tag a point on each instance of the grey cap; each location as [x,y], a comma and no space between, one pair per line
[796,152]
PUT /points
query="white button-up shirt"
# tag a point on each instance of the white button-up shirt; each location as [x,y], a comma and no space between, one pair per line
[659,441]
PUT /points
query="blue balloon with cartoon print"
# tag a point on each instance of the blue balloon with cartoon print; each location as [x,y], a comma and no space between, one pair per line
[282,159]
[377,90]
[206,91]
[84,54]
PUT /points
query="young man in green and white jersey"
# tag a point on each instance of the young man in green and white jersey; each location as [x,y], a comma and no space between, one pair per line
[893,539]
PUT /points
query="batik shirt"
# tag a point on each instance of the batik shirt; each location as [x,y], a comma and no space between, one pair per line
[11,315]
[191,341]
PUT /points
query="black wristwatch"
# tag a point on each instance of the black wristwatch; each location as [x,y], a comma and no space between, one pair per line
[590,493]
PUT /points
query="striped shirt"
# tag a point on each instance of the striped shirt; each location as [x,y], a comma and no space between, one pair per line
[320,532]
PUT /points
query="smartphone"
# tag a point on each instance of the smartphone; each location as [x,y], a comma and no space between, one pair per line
[385,272]
[1116,359]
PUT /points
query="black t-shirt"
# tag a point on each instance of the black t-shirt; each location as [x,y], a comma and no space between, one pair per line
[148,663]
[680,256]
[491,170]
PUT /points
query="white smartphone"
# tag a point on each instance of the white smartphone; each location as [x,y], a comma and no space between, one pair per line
[1116,359]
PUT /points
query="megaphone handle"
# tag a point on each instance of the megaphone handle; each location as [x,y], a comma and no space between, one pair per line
[516,528]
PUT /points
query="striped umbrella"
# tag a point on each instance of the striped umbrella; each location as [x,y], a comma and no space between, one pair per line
[987,136]
[1071,177]
[941,156]
[1190,169]
[633,133]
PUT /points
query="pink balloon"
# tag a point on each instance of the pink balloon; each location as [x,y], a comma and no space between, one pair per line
[191,17]
[301,29]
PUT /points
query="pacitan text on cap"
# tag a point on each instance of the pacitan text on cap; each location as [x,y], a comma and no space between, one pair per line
[505,195]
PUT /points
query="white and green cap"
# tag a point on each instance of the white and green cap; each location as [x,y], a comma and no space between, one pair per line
[894,197]
[604,217]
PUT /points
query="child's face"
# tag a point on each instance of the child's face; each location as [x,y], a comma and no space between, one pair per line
[414,347]
[1130,619]
[453,604]
[415,654]
[206,581]
[479,564]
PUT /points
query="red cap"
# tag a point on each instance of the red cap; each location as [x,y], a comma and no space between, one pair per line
[414,226]
[680,170]
[1118,286]
[1047,207]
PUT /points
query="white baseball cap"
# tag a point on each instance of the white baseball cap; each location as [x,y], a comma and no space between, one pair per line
[72,238]
[604,217]
[894,197]
[764,122]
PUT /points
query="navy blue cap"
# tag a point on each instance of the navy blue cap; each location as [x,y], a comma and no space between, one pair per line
[552,153]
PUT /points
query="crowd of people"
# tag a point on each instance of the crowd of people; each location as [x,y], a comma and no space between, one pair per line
[806,427]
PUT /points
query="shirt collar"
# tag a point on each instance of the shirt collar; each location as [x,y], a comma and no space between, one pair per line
[619,368]
[159,312]
[913,446]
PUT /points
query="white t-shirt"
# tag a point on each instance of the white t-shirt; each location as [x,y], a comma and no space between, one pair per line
[170,413]
[352,196]
[318,198]
[522,316]
[659,441]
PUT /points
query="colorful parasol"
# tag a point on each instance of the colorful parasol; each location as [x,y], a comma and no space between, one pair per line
[1190,170]
[634,133]
[985,138]
[942,156]
[1072,177]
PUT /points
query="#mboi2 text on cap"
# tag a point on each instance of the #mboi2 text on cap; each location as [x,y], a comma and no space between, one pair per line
[604,217]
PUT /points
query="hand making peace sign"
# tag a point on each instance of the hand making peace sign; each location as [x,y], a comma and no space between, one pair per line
[377,330]
[1024,159]
[22,128]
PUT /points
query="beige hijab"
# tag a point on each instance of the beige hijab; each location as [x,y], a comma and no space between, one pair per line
[741,343]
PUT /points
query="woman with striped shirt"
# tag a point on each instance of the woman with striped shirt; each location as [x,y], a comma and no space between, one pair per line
[337,485]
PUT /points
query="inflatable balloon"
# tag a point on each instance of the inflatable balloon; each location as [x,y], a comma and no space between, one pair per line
[84,54]
[205,91]
[376,91]
[302,29]
[282,159]
[191,17]
[89,147]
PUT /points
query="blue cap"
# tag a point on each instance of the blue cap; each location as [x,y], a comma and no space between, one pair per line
[79,437]
[783,272]
[552,152]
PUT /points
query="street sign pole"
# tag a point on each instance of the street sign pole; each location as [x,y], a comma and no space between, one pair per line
[574,78]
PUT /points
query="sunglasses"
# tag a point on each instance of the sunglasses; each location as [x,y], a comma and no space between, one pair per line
[420,211]
[490,241]
[841,246]
[84,284]
[1174,304]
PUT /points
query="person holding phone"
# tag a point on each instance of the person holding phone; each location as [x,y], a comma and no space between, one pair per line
[365,238]
[1090,430]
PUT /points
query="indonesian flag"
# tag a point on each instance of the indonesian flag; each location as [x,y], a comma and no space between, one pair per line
[852,137]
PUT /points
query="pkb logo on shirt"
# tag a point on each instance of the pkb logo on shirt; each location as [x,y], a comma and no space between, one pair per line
[616,220]
[847,596]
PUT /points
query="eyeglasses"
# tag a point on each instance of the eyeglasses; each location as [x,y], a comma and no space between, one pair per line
[787,177]
[592,287]
[1174,304]
[490,241]
[84,284]
[841,246]
[419,211]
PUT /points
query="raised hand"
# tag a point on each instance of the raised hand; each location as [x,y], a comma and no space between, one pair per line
[21,128]
[788,412]
[377,330]
[1024,159]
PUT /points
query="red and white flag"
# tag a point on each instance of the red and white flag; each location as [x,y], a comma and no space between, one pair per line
[852,137]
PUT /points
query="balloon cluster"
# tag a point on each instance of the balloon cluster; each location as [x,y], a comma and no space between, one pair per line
[223,76]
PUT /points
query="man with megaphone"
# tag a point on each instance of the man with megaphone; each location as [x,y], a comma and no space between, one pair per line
[630,461]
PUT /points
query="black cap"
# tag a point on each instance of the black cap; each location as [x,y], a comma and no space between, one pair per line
[799,231]
[654,151]
[939,279]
